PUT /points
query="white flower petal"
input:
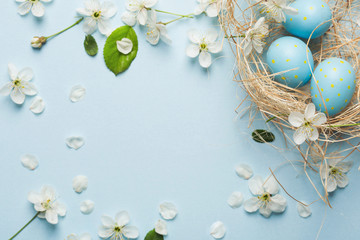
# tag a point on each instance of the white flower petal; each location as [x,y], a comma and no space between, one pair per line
[290,11]
[130,232]
[75,142]
[299,136]
[48,192]
[85,236]
[314,134]
[342,180]
[129,18]
[304,211]
[89,25]
[51,216]
[60,208]
[142,16]
[318,119]
[108,9]
[26,74]
[77,93]
[331,184]
[244,171]
[150,3]
[38,105]
[24,8]
[195,36]
[168,210]
[271,186]
[72,236]
[29,161]
[215,47]
[17,96]
[211,35]
[34,197]
[212,10]
[104,27]
[107,221]
[13,72]
[38,9]
[235,200]
[192,50]
[296,119]
[309,111]
[160,227]
[84,12]
[124,46]
[122,218]
[217,230]
[28,88]
[6,89]
[345,166]
[205,59]
[92,4]
[265,211]
[277,203]
[87,206]
[256,185]
[105,232]
[80,183]
[252,205]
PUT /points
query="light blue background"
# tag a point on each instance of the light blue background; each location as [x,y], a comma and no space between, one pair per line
[162,131]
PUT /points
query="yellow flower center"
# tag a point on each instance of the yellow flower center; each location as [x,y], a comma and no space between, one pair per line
[96,15]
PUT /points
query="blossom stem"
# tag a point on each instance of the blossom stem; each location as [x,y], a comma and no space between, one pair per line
[175,14]
[242,35]
[345,125]
[166,23]
[76,23]
[37,214]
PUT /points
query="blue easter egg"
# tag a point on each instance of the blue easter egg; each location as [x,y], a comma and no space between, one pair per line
[288,53]
[335,79]
[311,14]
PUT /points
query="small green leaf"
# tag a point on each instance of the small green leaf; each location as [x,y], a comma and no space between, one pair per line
[116,61]
[262,136]
[152,235]
[90,45]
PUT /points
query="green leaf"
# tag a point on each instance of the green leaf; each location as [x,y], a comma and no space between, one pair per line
[116,61]
[262,136]
[90,45]
[152,235]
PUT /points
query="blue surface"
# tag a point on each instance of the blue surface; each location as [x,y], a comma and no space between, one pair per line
[162,131]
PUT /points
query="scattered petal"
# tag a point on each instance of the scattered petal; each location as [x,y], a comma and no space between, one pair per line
[235,200]
[87,206]
[160,227]
[304,211]
[29,161]
[124,46]
[77,93]
[168,210]
[217,230]
[38,105]
[244,171]
[80,183]
[75,142]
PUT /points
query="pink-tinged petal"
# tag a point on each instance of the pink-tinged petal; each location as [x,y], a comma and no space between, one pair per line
[6,89]
[17,96]
[13,72]
[252,204]
[192,50]
[51,216]
[256,185]
[122,218]
[271,186]
[131,232]
[26,74]
[310,111]
[296,119]
[38,9]
[24,8]
[205,59]
[277,203]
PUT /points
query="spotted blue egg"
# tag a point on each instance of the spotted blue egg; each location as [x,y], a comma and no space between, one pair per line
[312,14]
[333,85]
[290,53]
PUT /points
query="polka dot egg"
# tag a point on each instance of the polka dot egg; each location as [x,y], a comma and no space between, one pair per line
[312,14]
[333,85]
[290,53]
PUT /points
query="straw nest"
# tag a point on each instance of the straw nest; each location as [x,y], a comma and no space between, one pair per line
[276,101]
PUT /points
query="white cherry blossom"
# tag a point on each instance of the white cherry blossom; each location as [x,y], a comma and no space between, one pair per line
[267,199]
[335,173]
[19,86]
[210,7]
[46,203]
[97,16]
[137,11]
[118,228]
[277,9]
[156,30]
[36,7]
[217,230]
[306,124]
[254,37]
[202,45]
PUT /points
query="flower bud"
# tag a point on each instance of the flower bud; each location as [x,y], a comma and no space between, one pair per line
[37,42]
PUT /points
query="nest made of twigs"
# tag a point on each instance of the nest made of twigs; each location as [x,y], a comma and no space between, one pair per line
[276,101]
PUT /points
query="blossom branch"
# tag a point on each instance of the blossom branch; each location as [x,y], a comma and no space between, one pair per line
[17,233]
